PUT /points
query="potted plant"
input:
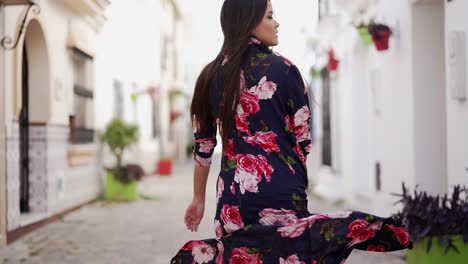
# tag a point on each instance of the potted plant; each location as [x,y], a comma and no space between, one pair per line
[121,180]
[164,166]
[380,35]
[364,33]
[332,61]
[438,225]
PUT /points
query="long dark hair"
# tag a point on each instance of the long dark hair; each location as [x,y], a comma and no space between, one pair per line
[238,19]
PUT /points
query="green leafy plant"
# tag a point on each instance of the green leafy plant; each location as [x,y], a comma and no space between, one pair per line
[119,136]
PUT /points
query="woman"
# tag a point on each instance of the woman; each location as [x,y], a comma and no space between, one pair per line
[259,101]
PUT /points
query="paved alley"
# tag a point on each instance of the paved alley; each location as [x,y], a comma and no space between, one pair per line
[147,231]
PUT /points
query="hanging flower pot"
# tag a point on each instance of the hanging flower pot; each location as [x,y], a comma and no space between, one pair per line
[365,35]
[332,61]
[380,35]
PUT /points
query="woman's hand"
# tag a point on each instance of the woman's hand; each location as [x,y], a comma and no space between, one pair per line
[194,215]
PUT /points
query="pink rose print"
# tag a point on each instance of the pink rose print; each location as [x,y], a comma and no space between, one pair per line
[272,216]
[267,141]
[218,229]
[233,189]
[339,214]
[300,154]
[302,133]
[202,162]
[231,218]
[248,163]
[266,168]
[376,248]
[301,116]
[360,230]
[247,181]
[400,234]
[264,89]
[229,152]
[287,62]
[313,261]
[225,60]
[289,124]
[206,144]
[296,228]
[242,124]
[293,259]
[201,251]
[220,188]
[219,259]
[248,104]
[241,256]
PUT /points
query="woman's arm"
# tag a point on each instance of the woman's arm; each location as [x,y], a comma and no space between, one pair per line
[200,177]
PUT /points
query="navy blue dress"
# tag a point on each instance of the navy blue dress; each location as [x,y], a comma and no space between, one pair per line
[262,214]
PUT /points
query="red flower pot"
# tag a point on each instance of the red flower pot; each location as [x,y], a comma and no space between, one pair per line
[164,167]
[380,35]
[332,61]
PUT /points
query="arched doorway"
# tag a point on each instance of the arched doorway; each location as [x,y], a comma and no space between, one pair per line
[33,115]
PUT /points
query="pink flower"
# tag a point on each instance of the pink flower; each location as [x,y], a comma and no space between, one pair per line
[366,234]
[241,256]
[296,228]
[220,188]
[293,259]
[206,144]
[376,248]
[302,133]
[247,181]
[356,228]
[218,229]
[287,62]
[270,216]
[264,89]
[229,152]
[266,168]
[248,104]
[267,141]
[313,261]
[293,229]
[299,153]
[231,218]
[340,214]
[202,162]
[220,259]
[242,124]
[233,189]
[248,163]
[301,116]
[289,124]
[203,253]
[400,234]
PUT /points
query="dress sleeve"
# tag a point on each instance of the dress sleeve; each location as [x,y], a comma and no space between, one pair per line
[299,114]
[205,141]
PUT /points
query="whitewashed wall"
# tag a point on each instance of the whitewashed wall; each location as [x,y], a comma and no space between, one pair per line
[457,111]
[3,192]
[128,50]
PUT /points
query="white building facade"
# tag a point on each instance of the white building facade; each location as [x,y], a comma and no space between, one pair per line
[139,61]
[47,117]
[392,116]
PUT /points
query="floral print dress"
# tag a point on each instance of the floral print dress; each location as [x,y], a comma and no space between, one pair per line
[262,214]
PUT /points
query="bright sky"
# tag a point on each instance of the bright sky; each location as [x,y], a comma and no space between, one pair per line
[297,19]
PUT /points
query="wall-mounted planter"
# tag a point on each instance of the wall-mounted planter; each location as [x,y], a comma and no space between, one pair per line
[380,35]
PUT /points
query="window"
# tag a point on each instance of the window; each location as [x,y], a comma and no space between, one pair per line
[81,120]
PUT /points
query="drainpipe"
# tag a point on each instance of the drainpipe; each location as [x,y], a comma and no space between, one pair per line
[3,211]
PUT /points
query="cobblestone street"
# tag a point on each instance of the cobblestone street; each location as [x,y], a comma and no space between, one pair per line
[147,231]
